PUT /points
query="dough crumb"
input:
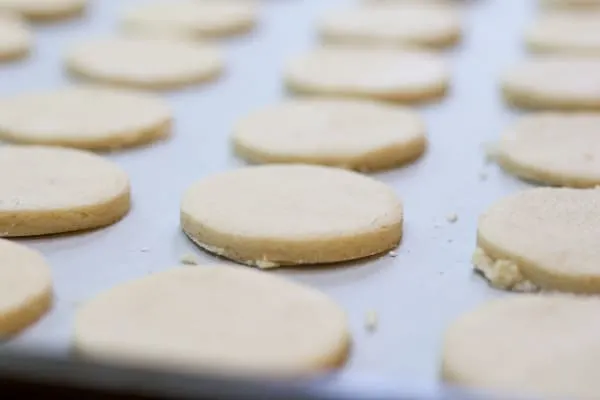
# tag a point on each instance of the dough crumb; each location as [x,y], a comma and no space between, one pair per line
[452,218]
[371,321]
[393,254]
[502,274]
[188,259]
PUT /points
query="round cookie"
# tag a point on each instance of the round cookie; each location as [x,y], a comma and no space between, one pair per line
[192,19]
[390,74]
[15,37]
[411,23]
[576,32]
[554,82]
[85,117]
[25,287]
[360,135]
[570,3]
[274,215]
[53,190]
[552,148]
[45,9]
[538,346]
[145,63]
[222,318]
[543,238]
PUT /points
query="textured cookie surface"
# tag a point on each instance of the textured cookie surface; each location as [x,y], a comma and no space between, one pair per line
[54,190]
[15,37]
[549,235]
[353,134]
[25,287]
[532,345]
[84,117]
[389,74]
[149,63]
[292,214]
[217,318]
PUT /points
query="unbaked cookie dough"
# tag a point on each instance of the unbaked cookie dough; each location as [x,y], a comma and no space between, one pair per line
[553,148]
[275,215]
[538,346]
[576,32]
[360,135]
[554,82]
[220,318]
[383,74]
[570,3]
[412,23]
[543,238]
[85,117]
[145,63]
[45,9]
[47,190]
[15,37]
[192,19]
[25,287]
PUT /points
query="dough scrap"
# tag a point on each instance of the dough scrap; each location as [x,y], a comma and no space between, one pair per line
[54,190]
[548,235]
[405,23]
[274,215]
[389,74]
[45,9]
[84,117]
[554,82]
[220,318]
[502,274]
[553,148]
[543,346]
[192,19]
[576,32]
[15,37]
[147,63]
[25,287]
[352,134]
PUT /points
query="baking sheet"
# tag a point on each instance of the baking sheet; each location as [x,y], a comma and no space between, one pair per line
[415,294]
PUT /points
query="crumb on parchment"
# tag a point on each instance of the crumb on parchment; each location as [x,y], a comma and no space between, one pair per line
[188,259]
[452,218]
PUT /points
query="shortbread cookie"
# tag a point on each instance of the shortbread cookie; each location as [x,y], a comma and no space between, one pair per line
[275,215]
[217,318]
[576,32]
[84,117]
[528,346]
[45,9]
[554,82]
[412,23]
[145,63]
[15,37]
[25,287]
[46,190]
[553,148]
[352,134]
[570,3]
[544,238]
[384,74]
[192,19]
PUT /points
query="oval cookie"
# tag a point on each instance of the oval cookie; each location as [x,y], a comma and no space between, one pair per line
[566,32]
[15,37]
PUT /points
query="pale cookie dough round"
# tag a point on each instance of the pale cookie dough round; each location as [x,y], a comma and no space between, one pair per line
[275,215]
[15,37]
[570,3]
[543,238]
[576,32]
[534,346]
[389,74]
[50,190]
[215,317]
[360,135]
[192,19]
[85,117]
[45,9]
[554,82]
[25,287]
[145,63]
[405,23]
[553,148]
